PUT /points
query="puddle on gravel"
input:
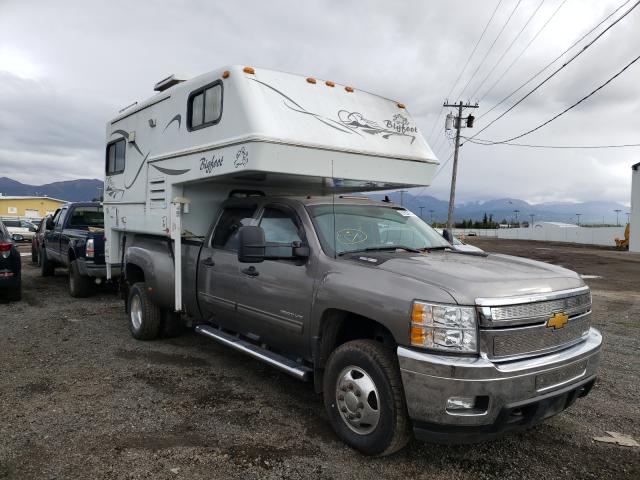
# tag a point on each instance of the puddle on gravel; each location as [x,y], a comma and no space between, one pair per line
[40,387]
[159,441]
[161,358]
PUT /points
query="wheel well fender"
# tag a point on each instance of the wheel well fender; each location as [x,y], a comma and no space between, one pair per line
[155,268]
[340,326]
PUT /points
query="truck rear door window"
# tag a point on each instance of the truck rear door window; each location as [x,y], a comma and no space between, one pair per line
[225,235]
[205,106]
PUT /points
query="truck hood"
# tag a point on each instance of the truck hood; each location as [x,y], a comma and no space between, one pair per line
[467,277]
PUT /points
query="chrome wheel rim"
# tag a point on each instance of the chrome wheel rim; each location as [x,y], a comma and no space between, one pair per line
[357,400]
[136,312]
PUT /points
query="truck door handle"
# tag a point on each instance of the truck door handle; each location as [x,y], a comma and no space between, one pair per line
[251,271]
[208,262]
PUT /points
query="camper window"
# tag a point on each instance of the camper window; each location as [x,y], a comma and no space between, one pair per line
[205,106]
[115,156]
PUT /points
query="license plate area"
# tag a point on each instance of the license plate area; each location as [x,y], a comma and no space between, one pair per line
[560,376]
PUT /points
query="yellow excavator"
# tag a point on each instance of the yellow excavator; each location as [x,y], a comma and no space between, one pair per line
[623,243]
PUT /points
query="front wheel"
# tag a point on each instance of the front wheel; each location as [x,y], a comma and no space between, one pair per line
[364,397]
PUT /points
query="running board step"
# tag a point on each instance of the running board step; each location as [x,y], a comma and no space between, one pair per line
[282,363]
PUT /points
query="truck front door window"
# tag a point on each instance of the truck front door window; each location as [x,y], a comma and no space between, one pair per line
[280,231]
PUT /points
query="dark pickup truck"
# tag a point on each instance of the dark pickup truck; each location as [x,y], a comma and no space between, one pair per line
[74,238]
[396,327]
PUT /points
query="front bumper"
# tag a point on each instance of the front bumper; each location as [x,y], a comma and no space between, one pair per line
[510,395]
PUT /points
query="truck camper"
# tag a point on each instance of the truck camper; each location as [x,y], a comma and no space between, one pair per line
[233,204]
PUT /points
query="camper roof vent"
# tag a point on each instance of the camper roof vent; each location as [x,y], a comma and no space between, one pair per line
[168,82]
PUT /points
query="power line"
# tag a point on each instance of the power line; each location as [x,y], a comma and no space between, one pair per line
[555,72]
[479,141]
[490,48]
[490,89]
[554,60]
[484,30]
[506,50]
[572,106]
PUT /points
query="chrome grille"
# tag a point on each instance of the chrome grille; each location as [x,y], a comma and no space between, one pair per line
[569,305]
[530,340]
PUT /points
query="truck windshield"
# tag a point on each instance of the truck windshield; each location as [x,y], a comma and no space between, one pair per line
[87,217]
[356,228]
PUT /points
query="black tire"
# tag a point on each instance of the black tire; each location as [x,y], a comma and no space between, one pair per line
[15,294]
[392,431]
[172,325]
[148,325]
[34,254]
[47,267]
[79,285]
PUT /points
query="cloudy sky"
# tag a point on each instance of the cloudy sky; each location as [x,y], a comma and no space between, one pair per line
[67,67]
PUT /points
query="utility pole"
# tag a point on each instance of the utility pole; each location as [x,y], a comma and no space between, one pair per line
[431,212]
[578,215]
[454,173]
[532,217]
[421,208]
[617,210]
[402,192]
[516,212]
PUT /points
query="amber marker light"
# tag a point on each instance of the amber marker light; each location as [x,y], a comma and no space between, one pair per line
[329,83]
[417,313]
[249,70]
[418,336]
[225,74]
[311,80]
[401,105]
[349,89]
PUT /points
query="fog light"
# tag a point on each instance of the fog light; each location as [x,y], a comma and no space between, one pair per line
[461,403]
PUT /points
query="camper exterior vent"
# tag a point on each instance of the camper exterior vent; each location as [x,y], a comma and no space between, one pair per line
[168,82]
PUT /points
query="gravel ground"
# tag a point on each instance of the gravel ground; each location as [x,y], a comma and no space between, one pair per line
[80,398]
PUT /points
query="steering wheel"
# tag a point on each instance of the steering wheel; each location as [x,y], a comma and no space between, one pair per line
[351,236]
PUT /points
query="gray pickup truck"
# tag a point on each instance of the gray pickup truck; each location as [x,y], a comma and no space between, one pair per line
[397,329]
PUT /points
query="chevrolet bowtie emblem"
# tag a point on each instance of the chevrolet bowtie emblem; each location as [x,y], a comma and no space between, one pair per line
[558,321]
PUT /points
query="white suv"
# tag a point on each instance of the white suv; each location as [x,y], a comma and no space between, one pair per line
[20,230]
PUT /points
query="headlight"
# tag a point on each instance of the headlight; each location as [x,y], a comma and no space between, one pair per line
[444,327]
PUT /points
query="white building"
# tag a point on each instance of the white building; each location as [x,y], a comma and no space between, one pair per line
[634,231]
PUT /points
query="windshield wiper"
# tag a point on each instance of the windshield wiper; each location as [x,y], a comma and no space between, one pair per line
[431,249]
[381,249]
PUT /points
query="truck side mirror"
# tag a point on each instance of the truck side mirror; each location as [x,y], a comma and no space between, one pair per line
[251,244]
[49,225]
[299,250]
[448,236]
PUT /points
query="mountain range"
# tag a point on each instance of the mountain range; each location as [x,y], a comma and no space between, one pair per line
[597,212]
[70,190]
